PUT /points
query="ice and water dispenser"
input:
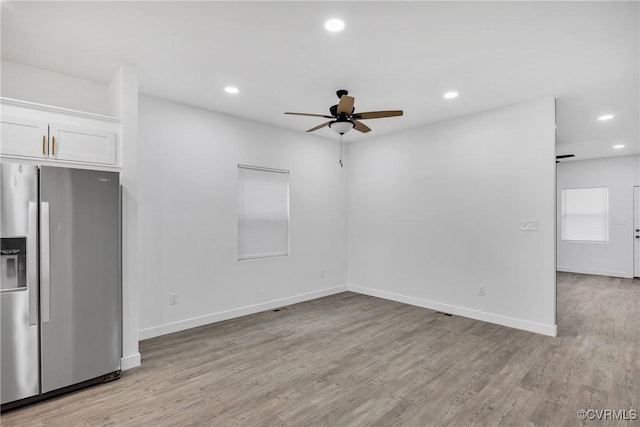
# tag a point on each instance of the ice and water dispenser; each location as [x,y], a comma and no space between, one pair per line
[13,263]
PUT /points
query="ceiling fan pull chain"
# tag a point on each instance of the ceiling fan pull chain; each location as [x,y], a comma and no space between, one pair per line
[341,150]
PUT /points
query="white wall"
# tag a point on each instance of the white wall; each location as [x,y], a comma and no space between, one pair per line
[434,213]
[188,201]
[33,84]
[614,258]
[401,246]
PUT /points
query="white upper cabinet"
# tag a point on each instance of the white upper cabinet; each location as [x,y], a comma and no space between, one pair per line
[23,137]
[79,144]
[55,136]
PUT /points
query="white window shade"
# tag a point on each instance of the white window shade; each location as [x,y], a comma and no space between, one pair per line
[263,218]
[585,214]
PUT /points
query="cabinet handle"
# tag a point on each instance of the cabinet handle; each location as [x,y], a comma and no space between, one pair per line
[53,145]
[44,144]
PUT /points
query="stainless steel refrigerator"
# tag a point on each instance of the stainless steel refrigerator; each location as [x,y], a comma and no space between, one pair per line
[59,280]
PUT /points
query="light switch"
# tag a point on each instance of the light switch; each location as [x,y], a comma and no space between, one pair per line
[529,225]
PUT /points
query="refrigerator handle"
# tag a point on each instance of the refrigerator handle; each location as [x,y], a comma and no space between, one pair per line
[45,277]
[32,263]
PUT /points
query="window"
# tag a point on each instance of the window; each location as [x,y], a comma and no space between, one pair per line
[263,217]
[585,214]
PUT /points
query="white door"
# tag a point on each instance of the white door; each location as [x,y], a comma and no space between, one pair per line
[636,229]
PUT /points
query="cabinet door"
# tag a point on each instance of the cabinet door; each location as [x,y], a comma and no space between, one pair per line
[23,137]
[79,144]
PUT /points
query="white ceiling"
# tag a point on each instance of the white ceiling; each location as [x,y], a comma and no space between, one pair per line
[391,55]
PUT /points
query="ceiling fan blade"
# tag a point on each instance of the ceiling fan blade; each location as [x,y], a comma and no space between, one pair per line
[377,114]
[361,127]
[319,127]
[346,104]
[311,115]
[565,156]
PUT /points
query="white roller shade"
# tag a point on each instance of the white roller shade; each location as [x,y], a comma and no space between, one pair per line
[263,217]
[585,214]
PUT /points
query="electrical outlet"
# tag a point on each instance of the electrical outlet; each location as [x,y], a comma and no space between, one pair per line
[173,299]
[481,293]
[322,274]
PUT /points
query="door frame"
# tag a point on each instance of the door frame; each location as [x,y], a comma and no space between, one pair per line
[636,227]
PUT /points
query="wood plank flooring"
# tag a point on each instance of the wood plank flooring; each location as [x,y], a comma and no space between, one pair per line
[355,360]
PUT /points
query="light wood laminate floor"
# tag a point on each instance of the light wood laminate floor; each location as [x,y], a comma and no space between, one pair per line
[354,360]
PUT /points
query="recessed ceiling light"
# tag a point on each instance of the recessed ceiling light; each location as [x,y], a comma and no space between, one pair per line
[450,95]
[334,25]
[606,117]
[231,89]
[619,146]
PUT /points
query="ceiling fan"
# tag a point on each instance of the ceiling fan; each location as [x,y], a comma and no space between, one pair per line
[344,118]
[564,156]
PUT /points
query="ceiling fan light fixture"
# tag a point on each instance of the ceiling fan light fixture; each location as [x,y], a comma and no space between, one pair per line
[342,127]
[334,25]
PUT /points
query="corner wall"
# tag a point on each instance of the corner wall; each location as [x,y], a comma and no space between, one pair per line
[435,212]
[614,258]
[188,207]
[124,96]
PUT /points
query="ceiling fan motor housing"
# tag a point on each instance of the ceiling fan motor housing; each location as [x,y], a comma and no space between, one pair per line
[334,111]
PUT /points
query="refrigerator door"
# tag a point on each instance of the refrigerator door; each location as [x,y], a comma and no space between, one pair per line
[80,275]
[19,357]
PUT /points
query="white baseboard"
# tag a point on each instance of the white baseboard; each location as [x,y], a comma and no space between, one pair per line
[540,328]
[131,361]
[236,312]
[596,272]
